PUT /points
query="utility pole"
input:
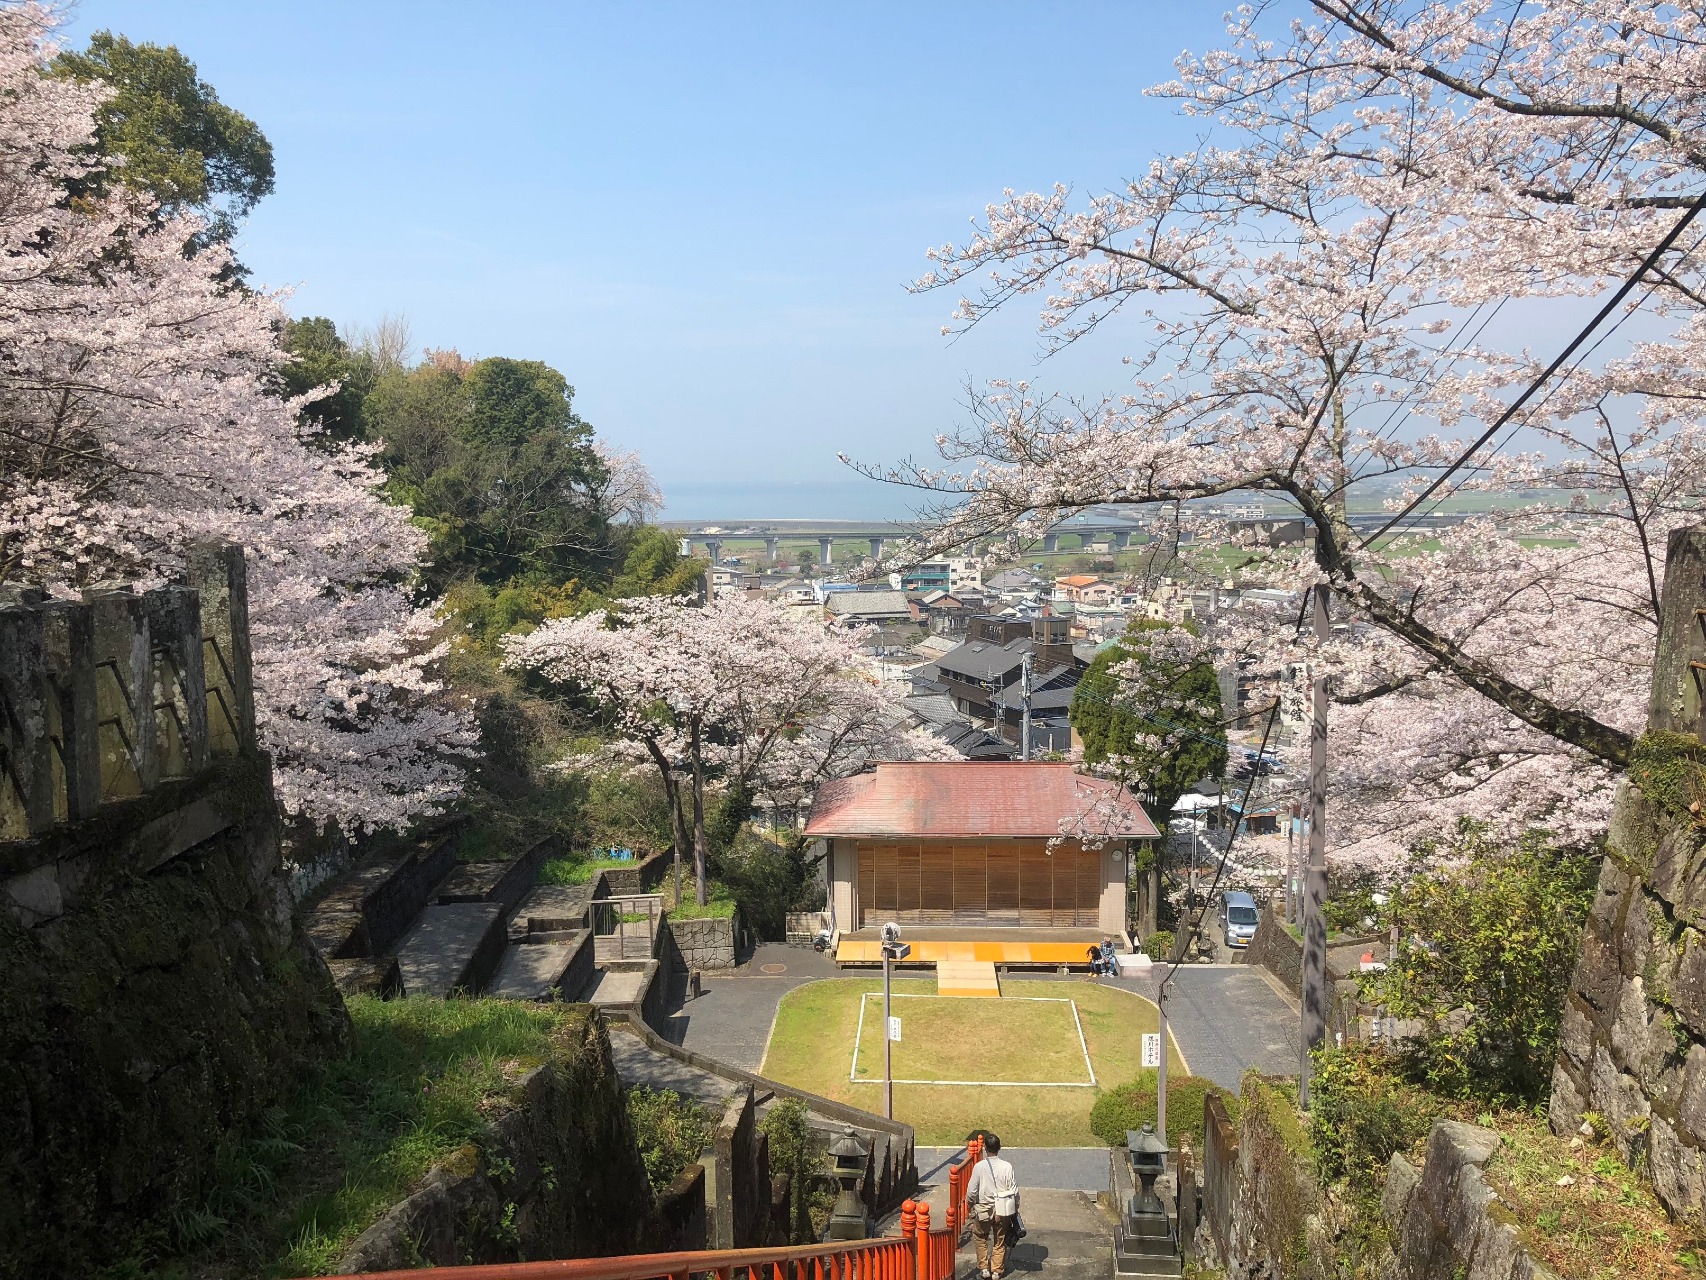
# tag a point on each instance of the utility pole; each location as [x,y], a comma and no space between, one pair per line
[1315,872]
[1025,708]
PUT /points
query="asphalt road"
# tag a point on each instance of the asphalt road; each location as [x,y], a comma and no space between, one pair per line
[1227,1019]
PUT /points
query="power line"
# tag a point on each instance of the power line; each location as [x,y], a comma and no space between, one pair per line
[1598,342]
[1512,409]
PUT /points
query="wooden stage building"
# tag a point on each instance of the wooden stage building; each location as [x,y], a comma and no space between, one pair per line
[1007,863]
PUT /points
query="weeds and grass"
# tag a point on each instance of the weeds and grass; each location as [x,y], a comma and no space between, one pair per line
[1602,1222]
[355,1138]
[581,870]
[720,904]
[672,1131]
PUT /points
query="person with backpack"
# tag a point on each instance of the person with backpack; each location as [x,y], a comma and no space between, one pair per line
[993,1198]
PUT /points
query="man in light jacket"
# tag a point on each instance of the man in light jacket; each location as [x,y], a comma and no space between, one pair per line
[993,1198]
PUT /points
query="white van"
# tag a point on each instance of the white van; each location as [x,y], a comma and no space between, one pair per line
[1238,917]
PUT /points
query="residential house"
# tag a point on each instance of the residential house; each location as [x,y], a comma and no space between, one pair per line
[1085,588]
[954,576]
[982,678]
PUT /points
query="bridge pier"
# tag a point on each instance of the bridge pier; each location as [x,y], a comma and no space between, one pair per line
[715,547]
[1051,543]
[826,548]
[876,548]
[1120,541]
[770,545]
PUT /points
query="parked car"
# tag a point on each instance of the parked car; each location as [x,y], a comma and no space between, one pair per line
[1238,918]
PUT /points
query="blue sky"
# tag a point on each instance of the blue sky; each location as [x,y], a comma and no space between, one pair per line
[704,214]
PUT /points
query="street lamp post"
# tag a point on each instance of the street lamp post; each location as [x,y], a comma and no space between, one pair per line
[893,949]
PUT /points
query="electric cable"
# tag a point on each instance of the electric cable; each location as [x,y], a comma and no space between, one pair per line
[1511,410]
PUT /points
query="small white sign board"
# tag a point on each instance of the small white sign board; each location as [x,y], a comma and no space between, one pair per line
[894,1030]
[1152,1049]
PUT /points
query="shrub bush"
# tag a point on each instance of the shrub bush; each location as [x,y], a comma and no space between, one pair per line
[1361,1111]
[1132,1105]
[672,1132]
[1159,945]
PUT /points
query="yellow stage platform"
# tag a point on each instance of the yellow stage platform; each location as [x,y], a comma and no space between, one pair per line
[975,978]
[930,951]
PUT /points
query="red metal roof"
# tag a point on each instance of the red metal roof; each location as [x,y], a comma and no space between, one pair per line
[927,800]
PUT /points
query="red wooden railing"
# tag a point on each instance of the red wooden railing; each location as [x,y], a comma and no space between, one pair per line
[919,1252]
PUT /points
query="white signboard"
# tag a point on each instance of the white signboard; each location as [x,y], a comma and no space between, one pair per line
[1152,1049]
[894,1030]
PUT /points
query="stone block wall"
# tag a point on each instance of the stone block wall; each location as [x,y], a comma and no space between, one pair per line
[1444,1218]
[1632,1046]
[707,944]
[156,996]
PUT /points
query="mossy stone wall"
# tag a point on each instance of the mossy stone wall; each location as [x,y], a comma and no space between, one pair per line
[1632,1043]
[158,1011]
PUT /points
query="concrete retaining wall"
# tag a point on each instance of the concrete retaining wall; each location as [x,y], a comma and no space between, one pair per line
[737,1187]
[643,877]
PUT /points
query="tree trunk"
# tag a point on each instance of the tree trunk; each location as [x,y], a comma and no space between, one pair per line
[677,819]
[701,858]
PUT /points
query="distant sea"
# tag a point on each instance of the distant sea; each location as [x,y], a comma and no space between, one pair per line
[781,500]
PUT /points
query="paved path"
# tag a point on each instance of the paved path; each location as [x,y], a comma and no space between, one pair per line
[1046,1168]
[1226,1018]
[732,1019]
[637,1063]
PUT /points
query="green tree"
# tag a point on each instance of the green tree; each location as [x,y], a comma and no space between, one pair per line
[1488,935]
[324,359]
[179,142]
[654,566]
[497,467]
[1148,709]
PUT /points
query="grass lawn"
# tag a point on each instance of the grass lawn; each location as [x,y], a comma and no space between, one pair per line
[935,1031]
[811,1047]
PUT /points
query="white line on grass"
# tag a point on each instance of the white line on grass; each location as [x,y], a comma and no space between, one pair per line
[853,1075]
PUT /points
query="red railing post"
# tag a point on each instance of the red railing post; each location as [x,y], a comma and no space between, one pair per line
[924,1259]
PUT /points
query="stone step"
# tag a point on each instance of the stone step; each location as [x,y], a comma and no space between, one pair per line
[543,970]
[631,941]
[552,908]
[453,948]
[974,978]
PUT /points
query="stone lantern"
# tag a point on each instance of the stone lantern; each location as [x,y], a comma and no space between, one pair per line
[1148,1156]
[1143,1239]
[847,1157]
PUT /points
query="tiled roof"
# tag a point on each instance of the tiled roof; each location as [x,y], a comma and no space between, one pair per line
[867,604]
[975,798]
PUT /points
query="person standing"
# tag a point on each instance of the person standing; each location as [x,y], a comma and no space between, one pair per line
[993,1197]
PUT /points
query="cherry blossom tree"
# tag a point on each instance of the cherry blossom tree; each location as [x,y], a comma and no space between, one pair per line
[742,691]
[138,420]
[1321,279]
